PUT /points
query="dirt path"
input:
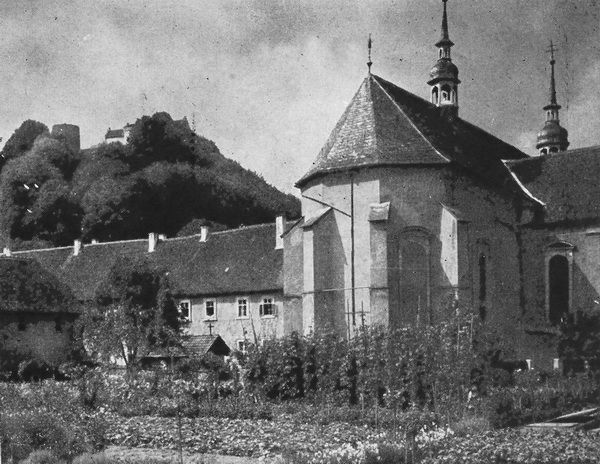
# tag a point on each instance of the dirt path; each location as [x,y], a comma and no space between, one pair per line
[140,455]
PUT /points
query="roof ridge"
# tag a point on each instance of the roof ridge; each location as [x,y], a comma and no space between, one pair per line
[33,250]
[376,78]
[240,229]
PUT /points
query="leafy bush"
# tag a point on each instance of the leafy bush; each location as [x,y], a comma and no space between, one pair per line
[425,366]
[47,416]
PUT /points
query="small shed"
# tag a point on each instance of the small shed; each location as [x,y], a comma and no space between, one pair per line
[194,347]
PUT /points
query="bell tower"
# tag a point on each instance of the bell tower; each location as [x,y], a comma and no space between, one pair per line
[553,137]
[444,74]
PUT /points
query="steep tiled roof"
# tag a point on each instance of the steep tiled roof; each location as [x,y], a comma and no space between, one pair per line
[566,182]
[25,286]
[385,125]
[242,260]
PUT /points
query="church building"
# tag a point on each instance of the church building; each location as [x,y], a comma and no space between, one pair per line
[409,213]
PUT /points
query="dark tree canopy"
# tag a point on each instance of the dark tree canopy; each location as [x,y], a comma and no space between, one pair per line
[35,195]
[22,140]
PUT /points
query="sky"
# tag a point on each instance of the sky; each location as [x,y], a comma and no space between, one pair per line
[267,80]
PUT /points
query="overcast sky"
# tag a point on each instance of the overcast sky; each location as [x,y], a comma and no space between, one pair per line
[267,80]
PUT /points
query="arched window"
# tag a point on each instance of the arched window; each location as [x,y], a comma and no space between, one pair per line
[553,149]
[544,151]
[414,277]
[559,280]
[558,291]
[441,52]
[434,95]
[445,93]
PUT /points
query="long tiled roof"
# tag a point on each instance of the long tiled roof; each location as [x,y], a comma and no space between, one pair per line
[385,125]
[566,182]
[242,260]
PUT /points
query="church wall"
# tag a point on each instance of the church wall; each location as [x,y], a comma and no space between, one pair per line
[330,240]
[541,338]
[492,232]
[293,268]
[484,223]
[415,195]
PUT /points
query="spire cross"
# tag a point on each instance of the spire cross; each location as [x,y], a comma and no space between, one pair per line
[369,46]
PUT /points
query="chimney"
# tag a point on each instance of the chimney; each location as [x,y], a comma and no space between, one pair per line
[95,241]
[7,251]
[152,241]
[203,233]
[77,247]
[279,221]
[162,237]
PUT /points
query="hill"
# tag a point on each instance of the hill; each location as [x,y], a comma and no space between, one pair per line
[166,178]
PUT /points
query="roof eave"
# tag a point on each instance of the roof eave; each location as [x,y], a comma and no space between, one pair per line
[334,170]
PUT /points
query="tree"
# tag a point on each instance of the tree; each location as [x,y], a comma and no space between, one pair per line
[158,138]
[35,195]
[133,313]
[116,208]
[22,140]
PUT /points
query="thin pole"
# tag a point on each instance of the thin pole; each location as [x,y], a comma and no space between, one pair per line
[352,250]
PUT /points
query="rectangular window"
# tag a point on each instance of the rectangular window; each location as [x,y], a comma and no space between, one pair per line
[242,346]
[267,308]
[185,310]
[210,309]
[242,304]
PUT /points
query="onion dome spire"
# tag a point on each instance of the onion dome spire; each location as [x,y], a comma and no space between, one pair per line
[553,137]
[444,74]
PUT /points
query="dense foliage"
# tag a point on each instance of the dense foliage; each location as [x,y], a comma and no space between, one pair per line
[133,313]
[426,366]
[163,179]
[579,344]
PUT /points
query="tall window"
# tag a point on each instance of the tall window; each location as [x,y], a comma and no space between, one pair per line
[242,304]
[185,312]
[434,95]
[482,264]
[558,288]
[445,93]
[210,309]
[414,279]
